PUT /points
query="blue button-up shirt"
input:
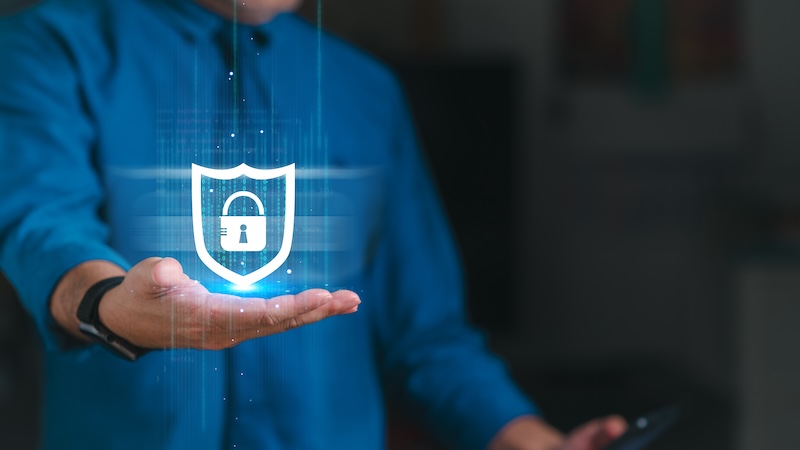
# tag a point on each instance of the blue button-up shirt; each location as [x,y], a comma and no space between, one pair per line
[104,107]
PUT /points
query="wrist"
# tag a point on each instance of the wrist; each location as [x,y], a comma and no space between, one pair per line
[92,325]
[71,289]
[108,312]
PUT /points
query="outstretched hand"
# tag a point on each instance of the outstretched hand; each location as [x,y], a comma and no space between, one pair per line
[158,306]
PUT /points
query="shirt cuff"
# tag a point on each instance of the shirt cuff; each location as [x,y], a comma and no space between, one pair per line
[494,414]
[36,285]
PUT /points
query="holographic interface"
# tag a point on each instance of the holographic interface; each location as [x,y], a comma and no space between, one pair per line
[243,220]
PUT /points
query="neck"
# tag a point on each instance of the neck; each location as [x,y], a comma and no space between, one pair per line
[240,12]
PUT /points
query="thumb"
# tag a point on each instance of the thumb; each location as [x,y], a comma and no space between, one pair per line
[610,429]
[596,434]
[167,273]
[153,275]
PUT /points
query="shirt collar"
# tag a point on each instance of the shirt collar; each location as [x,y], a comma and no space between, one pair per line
[196,23]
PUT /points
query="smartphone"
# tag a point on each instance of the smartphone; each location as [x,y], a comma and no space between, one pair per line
[646,429]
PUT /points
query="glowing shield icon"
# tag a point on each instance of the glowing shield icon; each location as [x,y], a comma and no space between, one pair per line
[235,245]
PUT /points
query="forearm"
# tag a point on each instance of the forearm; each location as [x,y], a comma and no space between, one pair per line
[72,287]
[527,433]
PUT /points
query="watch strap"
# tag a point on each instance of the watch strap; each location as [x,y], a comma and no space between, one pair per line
[90,324]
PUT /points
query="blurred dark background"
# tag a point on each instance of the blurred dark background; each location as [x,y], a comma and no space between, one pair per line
[622,178]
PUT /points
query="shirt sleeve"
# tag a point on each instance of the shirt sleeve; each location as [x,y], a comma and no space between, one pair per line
[52,194]
[431,355]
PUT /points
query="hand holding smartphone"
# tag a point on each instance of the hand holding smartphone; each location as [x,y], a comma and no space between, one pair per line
[646,429]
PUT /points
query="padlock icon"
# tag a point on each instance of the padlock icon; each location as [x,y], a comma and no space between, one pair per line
[243,233]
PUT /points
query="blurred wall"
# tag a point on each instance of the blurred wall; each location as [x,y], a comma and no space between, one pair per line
[636,212]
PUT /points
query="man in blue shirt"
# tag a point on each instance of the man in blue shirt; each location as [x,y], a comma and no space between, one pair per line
[105,106]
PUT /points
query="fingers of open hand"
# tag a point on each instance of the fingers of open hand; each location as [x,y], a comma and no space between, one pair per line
[309,307]
[237,319]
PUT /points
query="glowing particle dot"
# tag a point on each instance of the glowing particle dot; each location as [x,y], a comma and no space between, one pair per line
[289,271]
[241,373]
[230,73]
[241,310]
[262,131]
[277,306]
[233,134]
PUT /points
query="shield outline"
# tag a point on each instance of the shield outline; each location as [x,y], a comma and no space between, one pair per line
[197,218]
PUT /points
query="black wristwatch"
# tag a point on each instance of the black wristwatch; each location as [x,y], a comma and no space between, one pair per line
[90,324]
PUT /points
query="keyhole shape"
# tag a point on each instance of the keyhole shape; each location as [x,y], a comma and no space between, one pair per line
[243,234]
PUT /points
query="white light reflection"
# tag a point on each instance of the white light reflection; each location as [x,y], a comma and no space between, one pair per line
[243,288]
